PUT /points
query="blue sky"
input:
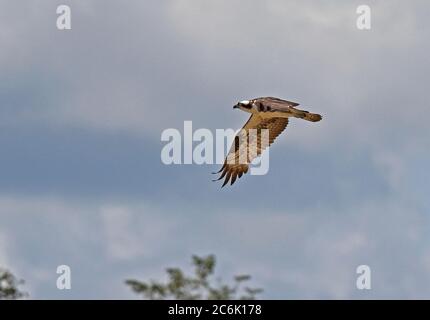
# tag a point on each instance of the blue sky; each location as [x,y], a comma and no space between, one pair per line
[81,116]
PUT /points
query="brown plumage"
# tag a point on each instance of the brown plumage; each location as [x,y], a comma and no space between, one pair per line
[266,113]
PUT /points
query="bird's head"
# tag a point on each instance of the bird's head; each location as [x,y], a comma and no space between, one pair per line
[244,105]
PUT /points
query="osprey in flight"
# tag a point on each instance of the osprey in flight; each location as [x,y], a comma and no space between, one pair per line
[266,113]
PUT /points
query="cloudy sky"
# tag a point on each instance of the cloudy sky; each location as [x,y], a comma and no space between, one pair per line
[82,112]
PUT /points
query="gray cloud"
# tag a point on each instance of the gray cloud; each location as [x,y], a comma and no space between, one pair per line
[292,253]
[116,73]
[81,114]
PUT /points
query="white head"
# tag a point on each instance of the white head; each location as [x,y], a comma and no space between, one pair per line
[244,105]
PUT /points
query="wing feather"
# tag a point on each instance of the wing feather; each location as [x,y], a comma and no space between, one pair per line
[248,144]
[274,104]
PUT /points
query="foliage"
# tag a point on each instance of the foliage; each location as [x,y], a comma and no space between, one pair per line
[9,286]
[196,287]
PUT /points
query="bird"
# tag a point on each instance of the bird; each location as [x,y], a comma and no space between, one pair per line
[266,113]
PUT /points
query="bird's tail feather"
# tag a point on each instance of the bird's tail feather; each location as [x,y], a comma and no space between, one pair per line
[306,115]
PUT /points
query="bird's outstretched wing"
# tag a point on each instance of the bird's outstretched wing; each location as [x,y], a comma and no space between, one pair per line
[274,104]
[248,144]
[270,104]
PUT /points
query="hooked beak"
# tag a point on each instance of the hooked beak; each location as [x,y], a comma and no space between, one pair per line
[235,106]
